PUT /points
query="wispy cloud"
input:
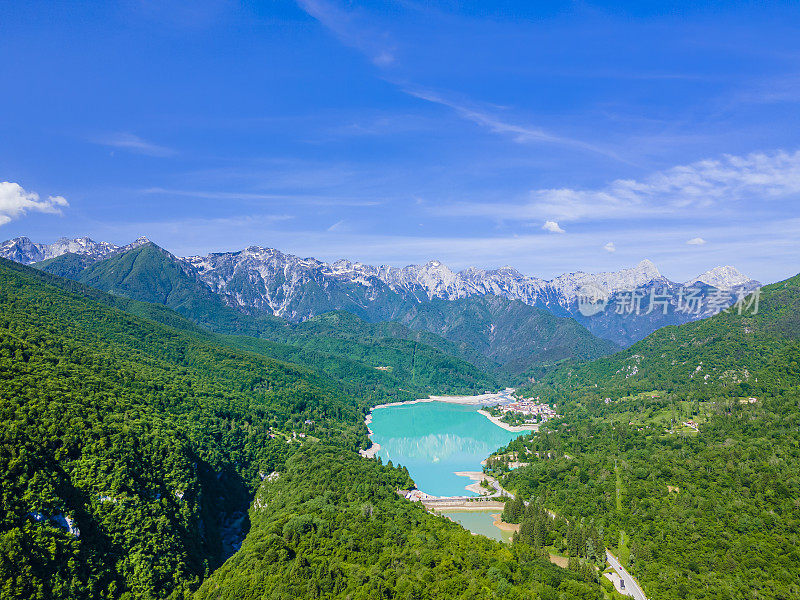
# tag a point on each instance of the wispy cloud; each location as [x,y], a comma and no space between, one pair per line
[772,91]
[133,143]
[16,202]
[703,186]
[522,134]
[351,30]
[340,225]
[235,195]
[610,247]
[698,241]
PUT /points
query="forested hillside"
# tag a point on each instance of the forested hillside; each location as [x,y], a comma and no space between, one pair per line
[332,526]
[686,452]
[511,333]
[731,354]
[494,334]
[128,446]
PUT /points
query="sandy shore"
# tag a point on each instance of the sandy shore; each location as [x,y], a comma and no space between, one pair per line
[503,526]
[371,451]
[475,486]
[478,400]
[561,561]
[506,426]
[477,477]
[374,448]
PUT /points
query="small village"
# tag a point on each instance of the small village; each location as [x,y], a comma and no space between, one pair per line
[533,409]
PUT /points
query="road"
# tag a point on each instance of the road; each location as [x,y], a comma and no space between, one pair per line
[499,490]
[631,585]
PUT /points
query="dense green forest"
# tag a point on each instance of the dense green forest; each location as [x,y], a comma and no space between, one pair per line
[133,441]
[131,447]
[544,531]
[695,480]
[511,333]
[145,438]
[332,526]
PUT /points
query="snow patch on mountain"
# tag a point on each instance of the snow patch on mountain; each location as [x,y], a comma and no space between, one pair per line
[23,250]
[726,277]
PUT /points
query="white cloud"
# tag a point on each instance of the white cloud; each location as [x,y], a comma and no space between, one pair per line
[698,241]
[521,134]
[321,200]
[351,30]
[15,202]
[552,227]
[610,247]
[704,187]
[129,141]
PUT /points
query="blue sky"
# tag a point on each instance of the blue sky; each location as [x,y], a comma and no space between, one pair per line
[550,136]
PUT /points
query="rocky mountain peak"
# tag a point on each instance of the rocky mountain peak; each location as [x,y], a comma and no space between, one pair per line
[724,277]
[643,274]
[22,250]
[648,267]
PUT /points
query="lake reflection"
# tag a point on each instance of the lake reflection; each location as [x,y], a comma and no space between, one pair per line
[434,439]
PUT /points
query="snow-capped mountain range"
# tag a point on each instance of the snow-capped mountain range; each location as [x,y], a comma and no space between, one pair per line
[265,277]
[265,280]
[23,250]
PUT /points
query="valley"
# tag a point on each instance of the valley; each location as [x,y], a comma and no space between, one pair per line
[399,300]
[301,394]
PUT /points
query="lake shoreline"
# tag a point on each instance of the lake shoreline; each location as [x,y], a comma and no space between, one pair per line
[478,400]
[503,532]
[503,526]
[476,477]
[442,431]
[374,446]
[506,426]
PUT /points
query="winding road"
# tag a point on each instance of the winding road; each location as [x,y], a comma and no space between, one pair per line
[631,585]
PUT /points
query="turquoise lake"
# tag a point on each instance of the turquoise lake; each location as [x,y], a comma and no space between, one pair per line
[435,439]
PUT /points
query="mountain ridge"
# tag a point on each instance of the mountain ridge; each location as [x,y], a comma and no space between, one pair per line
[28,252]
[259,280]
